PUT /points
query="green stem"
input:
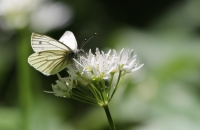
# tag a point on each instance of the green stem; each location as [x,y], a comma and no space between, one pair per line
[110,85]
[24,77]
[112,126]
[120,77]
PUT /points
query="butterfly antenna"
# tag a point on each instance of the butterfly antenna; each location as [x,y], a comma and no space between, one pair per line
[86,41]
[83,42]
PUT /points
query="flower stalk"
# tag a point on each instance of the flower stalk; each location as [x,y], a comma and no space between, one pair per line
[112,126]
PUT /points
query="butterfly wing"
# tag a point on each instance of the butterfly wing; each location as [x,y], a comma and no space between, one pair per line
[40,42]
[49,62]
[69,39]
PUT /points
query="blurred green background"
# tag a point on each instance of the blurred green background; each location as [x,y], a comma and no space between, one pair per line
[163,95]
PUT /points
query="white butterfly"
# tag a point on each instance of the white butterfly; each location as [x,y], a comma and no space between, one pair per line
[52,56]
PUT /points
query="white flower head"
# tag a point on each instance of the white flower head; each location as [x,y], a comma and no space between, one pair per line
[127,62]
[91,77]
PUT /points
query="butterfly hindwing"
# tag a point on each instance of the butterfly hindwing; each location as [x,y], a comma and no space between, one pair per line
[40,42]
[49,62]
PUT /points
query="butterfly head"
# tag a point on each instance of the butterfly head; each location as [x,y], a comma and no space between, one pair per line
[80,52]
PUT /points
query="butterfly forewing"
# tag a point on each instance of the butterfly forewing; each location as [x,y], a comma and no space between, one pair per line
[40,42]
[49,62]
[69,39]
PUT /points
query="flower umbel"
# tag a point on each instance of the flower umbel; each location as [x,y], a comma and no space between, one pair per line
[94,78]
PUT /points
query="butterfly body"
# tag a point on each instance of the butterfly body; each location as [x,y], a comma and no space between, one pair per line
[52,56]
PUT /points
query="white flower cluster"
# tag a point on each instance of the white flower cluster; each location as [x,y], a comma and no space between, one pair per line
[93,71]
[102,65]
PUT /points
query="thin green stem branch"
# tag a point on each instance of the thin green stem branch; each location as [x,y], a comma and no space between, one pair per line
[120,77]
[110,85]
[112,125]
